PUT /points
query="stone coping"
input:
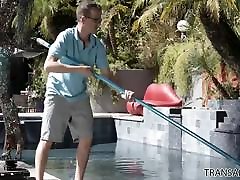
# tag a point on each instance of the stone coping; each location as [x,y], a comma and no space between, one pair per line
[127,117]
[122,116]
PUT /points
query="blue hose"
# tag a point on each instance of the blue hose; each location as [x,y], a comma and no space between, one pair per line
[160,114]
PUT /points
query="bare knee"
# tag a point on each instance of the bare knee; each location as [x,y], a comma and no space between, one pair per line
[85,142]
[45,145]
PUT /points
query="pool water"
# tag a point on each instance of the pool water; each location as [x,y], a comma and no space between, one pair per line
[126,160]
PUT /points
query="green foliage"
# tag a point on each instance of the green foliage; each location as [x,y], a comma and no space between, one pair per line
[44,10]
[166,65]
[133,50]
[182,71]
[120,42]
[233,91]
[116,11]
[151,43]
[181,60]
[39,79]
[172,11]
[148,15]
[96,87]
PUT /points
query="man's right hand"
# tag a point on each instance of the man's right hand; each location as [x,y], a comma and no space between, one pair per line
[85,70]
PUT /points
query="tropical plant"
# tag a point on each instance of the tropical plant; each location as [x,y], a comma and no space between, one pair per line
[39,79]
[182,60]
[219,22]
[220,19]
[43,15]
[9,9]
[122,43]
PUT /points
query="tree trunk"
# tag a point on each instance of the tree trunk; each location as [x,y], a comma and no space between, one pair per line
[13,135]
[7,13]
[215,81]
[22,29]
[10,39]
[223,39]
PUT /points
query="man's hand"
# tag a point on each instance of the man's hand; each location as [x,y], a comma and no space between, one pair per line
[85,70]
[127,95]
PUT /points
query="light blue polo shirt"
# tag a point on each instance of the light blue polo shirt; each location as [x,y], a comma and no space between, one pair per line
[70,50]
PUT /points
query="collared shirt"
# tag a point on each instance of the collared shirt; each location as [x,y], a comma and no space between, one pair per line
[70,50]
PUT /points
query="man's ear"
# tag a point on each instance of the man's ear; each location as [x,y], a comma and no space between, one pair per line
[82,19]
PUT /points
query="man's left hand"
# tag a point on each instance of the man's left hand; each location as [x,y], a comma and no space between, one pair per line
[127,95]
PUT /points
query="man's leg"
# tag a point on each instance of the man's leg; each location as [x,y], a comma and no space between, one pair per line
[41,157]
[54,123]
[81,127]
[82,155]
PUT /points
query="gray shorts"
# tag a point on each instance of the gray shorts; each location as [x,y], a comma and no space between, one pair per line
[56,115]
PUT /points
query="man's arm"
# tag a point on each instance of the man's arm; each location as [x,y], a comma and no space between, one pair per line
[52,64]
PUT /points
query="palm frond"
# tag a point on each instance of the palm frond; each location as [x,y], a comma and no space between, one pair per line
[234,4]
[136,5]
[148,15]
[167,9]
[214,8]
[139,3]
[106,4]
[44,26]
[115,11]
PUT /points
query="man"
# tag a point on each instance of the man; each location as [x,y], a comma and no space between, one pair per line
[66,87]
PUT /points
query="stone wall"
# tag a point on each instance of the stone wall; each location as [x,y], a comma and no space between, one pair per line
[155,130]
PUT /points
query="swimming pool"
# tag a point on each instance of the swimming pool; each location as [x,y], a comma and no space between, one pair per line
[127,160]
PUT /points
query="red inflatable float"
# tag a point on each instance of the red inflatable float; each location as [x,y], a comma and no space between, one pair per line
[160,95]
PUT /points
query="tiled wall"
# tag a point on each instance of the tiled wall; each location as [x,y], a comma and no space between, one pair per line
[201,122]
[155,130]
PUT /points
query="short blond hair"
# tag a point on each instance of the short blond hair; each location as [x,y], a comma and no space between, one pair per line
[84,8]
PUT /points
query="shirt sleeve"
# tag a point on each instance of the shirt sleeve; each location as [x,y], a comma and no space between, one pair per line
[101,57]
[58,48]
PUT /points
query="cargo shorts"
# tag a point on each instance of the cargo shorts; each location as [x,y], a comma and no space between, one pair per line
[56,118]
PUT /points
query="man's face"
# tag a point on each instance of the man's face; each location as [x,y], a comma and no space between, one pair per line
[93,20]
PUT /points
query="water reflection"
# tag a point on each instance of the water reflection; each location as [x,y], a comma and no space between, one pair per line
[126,160]
[156,163]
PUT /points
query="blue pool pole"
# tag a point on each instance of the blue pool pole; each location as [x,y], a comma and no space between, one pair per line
[176,124]
[155,111]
